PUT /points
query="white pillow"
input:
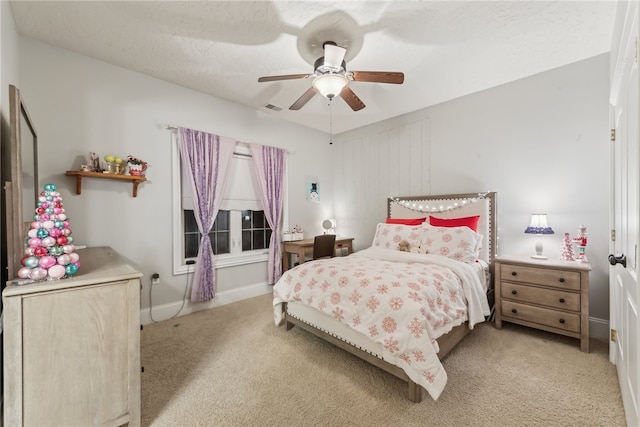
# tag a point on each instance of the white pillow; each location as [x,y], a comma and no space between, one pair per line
[459,243]
[389,235]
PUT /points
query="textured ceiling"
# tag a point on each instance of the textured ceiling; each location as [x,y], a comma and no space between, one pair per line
[445,49]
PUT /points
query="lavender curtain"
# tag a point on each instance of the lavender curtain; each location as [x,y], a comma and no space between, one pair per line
[207,157]
[270,166]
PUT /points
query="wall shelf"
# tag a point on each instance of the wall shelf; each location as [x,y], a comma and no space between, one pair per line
[80,174]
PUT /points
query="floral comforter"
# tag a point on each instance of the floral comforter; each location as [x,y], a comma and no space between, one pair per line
[400,300]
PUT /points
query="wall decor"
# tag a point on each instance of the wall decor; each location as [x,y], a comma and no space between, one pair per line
[313,191]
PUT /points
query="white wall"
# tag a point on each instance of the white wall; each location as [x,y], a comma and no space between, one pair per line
[80,105]
[540,142]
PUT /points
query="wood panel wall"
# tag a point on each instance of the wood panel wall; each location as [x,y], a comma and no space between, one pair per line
[391,158]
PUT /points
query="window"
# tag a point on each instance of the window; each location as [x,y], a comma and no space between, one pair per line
[240,233]
[255,231]
[219,235]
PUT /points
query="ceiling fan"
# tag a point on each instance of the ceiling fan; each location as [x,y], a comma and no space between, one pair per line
[331,78]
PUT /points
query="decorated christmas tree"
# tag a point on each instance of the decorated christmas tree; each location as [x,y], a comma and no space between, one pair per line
[567,248]
[49,253]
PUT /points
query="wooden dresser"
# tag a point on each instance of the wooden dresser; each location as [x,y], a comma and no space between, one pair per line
[551,295]
[72,346]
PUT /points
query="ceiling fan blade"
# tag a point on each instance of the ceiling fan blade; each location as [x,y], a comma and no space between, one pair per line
[378,76]
[333,55]
[306,97]
[285,77]
[352,99]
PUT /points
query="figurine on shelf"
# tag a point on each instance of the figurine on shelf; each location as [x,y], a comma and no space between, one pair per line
[94,162]
[581,241]
[137,167]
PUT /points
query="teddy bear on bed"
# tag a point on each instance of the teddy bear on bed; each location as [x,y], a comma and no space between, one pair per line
[418,249]
[413,247]
[404,246]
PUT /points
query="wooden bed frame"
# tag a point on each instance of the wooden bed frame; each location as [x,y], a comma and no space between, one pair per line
[472,204]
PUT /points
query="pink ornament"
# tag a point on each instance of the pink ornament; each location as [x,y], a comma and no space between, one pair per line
[28,251]
[36,224]
[64,259]
[48,224]
[38,273]
[68,249]
[24,273]
[66,231]
[65,224]
[48,241]
[47,261]
[56,271]
[45,217]
[32,233]
[34,242]
[55,232]
[62,217]
[74,257]
[57,211]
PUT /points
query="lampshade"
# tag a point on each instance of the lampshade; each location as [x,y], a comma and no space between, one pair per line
[538,225]
[330,85]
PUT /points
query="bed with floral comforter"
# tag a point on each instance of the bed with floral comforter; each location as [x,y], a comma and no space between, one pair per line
[402,301]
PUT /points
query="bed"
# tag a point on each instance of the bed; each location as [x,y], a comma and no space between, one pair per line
[402,311]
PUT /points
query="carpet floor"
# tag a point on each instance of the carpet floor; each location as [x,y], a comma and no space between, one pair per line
[231,366]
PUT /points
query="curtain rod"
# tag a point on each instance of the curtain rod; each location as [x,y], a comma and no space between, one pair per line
[173,127]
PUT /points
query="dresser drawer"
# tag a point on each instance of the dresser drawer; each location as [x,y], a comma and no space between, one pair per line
[542,316]
[541,276]
[564,300]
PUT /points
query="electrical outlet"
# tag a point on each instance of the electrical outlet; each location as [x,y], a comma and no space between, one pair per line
[155,278]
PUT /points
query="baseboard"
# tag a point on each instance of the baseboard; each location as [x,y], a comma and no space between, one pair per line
[167,311]
[599,329]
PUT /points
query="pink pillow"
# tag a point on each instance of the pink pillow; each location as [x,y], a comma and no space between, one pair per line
[406,221]
[468,221]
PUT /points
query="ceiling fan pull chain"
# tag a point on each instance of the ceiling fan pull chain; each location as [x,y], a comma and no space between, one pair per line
[330,123]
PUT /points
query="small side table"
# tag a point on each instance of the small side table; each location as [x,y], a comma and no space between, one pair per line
[551,295]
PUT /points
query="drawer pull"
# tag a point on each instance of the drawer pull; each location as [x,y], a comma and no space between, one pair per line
[561,320]
[514,311]
[513,273]
[562,280]
[514,292]
[561,300]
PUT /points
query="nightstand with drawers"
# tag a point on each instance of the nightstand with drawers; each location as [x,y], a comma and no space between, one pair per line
[551,295]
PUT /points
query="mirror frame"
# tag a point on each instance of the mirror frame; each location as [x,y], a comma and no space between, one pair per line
[16,227]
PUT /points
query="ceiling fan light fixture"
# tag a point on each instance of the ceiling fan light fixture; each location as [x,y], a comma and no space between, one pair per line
[330,85]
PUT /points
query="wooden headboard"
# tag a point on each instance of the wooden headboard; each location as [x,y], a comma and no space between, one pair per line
[453,206]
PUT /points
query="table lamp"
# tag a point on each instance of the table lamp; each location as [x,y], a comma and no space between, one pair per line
[329,226]
[538,226]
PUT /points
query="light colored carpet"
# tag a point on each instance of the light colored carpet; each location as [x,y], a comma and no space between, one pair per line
[231,366]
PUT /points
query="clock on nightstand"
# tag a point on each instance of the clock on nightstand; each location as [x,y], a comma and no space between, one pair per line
[551,295]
